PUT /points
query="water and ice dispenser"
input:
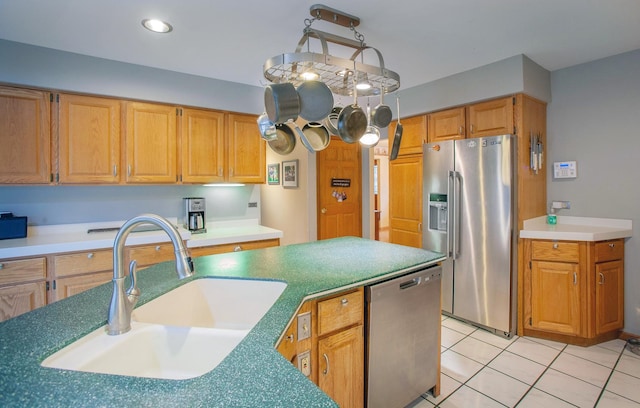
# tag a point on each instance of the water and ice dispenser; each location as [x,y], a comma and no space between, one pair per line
[438,212]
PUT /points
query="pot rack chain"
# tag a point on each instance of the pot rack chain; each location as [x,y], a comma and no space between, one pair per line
[332,70]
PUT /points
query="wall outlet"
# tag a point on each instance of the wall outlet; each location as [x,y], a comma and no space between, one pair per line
[304,326]
[560,205]
[253,205]
[304,362]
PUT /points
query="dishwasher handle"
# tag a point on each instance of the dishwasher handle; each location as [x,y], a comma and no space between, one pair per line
[410,283]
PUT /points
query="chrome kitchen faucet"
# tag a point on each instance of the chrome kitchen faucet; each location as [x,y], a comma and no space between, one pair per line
[122,303]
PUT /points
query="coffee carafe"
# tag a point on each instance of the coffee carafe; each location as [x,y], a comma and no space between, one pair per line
[194,219]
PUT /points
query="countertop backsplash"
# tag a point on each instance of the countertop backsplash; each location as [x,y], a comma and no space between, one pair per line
[52,205]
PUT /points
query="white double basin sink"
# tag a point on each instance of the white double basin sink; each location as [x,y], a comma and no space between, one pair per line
[182,334]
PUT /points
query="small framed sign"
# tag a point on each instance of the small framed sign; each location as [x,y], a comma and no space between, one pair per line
[290,174]
[273,173]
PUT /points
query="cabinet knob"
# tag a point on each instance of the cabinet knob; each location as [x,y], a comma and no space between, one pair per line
[555,245]
[290,338]
[326,360]
[90,255]
[238,248]
[323,211]
[157,247]
[601,279]
[344,302]
[612,245]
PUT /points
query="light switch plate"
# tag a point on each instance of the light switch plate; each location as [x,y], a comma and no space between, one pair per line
[304,326]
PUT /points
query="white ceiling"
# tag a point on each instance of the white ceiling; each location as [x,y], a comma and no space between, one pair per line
[422,40]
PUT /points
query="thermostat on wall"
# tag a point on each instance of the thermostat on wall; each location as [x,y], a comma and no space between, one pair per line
[565,170]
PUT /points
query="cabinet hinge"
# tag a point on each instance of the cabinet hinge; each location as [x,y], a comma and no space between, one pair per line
[530,322]
[57,97]
[51,178]
[57,177]
[47,286]
[514,100]
[50,97]
[529,264]
[178,112]
[514,131]
[54,284]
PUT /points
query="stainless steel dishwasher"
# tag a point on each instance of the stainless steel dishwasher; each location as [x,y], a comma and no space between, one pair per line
[403,328]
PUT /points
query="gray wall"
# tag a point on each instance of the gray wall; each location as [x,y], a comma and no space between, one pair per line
[593,119]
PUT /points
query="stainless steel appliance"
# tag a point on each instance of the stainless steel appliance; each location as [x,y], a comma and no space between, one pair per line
[403,332]
[194,214]
[470,191]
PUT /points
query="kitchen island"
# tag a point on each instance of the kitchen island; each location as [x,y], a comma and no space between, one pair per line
[253,375]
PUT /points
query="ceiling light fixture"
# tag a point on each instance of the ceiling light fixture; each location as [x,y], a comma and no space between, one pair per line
[157,26]
[290,67]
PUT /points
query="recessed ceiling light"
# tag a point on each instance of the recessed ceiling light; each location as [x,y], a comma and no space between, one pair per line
[157,26]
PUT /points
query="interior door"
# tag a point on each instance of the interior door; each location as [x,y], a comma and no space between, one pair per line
[339,189]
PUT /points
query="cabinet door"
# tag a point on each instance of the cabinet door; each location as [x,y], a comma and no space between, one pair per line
[151,143]
[609,296]
[25,129]
[341,367]
[490,118]
[89,139]
[414,134]
[65,287]
[247,154]
[18,299]
[405,201]
[555,297]
[446,125]
[202,141]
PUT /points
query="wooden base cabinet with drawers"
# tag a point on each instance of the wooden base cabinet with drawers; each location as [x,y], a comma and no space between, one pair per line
[22,286]
[573,290]
[330,349]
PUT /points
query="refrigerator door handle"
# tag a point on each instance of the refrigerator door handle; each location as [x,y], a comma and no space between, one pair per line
[450,215]
[457,193]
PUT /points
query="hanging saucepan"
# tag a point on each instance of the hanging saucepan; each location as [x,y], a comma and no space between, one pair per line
[316,100]
[381,115]
[397,136]
[331,121]
[281,102]
[267,127]
[301,135]
[285,140]
[352,121]
[317,135]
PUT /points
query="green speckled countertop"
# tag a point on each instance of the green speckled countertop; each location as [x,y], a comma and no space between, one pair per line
[253,375]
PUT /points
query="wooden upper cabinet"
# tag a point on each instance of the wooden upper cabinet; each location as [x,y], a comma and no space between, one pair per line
[202,146]
[490,118]
[414,134]
[446,125]
[25,136]
[151,140]
[89,139]
[246,160]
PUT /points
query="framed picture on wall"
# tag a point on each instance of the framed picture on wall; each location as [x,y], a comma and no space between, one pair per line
[273,173]
[290,174]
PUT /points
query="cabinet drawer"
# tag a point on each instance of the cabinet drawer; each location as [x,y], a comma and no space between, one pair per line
[234,247]
[609,250]
[340,311]
[83,262]
[150,254]
[555,251]
[22,270]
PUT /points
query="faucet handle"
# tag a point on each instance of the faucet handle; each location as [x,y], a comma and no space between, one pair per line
[133,291]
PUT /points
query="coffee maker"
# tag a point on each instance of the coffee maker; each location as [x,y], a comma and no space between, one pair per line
[194,217]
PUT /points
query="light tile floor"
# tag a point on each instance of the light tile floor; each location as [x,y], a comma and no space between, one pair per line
[480,369]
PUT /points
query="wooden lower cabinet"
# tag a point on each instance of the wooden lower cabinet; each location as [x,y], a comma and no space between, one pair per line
[341,365]
[76,272]
[22,286]
[233,247]
[335,347]
[573,290]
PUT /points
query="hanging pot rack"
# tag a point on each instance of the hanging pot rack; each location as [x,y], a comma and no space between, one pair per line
[339,74]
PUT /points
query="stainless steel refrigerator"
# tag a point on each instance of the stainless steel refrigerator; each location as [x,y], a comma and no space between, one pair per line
[469,212]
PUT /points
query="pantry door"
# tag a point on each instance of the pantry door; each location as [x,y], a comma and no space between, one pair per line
[339,181]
